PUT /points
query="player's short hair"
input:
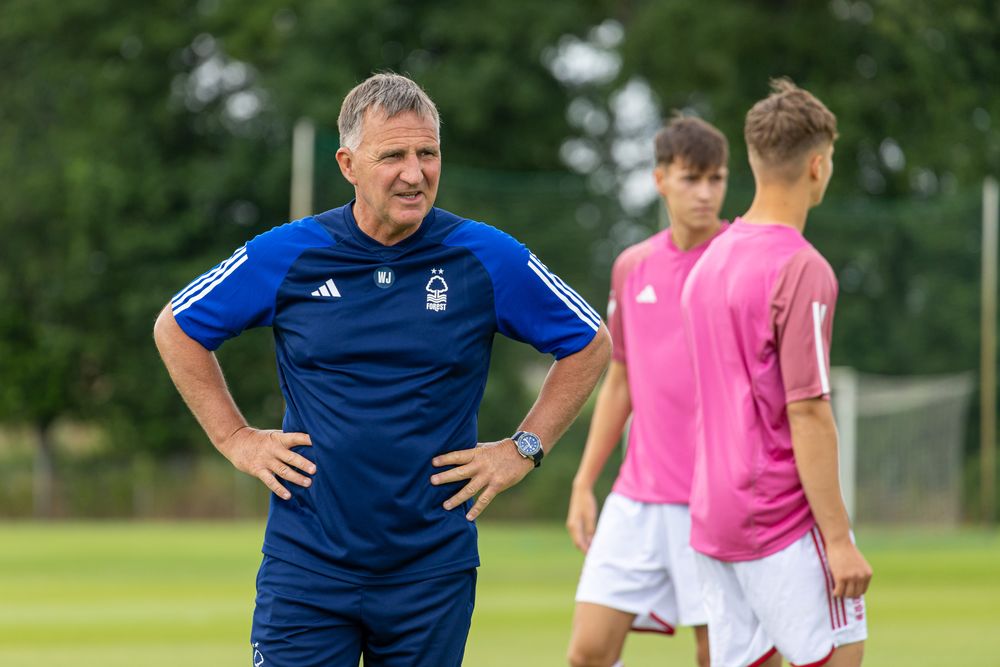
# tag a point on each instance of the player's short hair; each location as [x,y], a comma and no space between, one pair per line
[692,141]
[781,128]
[386,93]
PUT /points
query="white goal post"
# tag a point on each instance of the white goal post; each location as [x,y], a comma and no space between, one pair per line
[901,444]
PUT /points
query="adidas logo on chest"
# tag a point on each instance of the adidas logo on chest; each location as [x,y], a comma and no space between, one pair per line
[647,295]
[327,289]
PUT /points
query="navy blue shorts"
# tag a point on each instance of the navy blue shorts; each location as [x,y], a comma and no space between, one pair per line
[304,619]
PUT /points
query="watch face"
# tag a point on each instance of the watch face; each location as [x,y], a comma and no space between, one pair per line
[529,444]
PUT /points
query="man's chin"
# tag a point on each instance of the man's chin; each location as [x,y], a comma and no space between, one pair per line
[410,217]
[700,221]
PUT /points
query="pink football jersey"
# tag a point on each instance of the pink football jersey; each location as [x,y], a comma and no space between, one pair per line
[644,315]
[758,313]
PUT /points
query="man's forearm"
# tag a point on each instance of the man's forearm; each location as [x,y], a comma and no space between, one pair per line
[613,407]
[198,377]
[814,441]
[566,388]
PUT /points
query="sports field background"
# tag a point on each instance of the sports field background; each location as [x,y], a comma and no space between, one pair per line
[168,594]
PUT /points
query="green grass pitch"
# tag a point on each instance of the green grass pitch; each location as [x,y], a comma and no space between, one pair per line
[167,594]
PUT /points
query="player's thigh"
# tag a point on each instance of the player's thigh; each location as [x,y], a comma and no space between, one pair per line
[848,655]
[598,634]
[302,619]
[419,624]
[736,637]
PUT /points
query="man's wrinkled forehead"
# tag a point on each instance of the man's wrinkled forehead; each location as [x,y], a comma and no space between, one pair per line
[378,114]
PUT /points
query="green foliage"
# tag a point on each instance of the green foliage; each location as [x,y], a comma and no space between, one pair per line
[108,183]
[915,73]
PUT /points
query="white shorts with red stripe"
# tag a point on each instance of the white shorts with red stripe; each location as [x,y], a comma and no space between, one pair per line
[781,603]
[641,562]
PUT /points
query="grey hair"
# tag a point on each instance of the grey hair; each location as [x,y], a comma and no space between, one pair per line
[388,93]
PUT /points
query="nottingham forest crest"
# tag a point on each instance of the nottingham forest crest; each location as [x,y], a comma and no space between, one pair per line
[437,298]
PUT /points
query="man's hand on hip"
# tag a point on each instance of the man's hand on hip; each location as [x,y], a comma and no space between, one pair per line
[490,467]
[267,455]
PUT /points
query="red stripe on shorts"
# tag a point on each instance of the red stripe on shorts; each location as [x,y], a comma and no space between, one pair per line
[669,629]
[826,573]
[842,611]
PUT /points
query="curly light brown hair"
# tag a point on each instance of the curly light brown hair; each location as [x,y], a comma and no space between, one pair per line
[786,125]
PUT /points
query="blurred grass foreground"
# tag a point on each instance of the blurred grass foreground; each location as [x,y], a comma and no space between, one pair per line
[166,594]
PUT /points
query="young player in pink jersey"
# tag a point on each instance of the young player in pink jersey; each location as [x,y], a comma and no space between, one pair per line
[639,571]
[778,564]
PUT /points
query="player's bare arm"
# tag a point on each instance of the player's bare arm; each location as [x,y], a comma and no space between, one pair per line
[814,441]
[265,454]
[614,405]
[494,467]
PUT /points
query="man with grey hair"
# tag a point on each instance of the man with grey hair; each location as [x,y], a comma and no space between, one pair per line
[383,313]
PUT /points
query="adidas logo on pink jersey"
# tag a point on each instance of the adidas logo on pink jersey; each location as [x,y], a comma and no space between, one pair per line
[647,295]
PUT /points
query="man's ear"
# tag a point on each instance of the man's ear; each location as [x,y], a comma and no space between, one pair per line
[660,179]
[345,160]
[816,166]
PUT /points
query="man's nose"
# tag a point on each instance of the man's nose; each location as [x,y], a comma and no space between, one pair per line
[411,172]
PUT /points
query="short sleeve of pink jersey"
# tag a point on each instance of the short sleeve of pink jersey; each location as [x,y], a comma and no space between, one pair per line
[802,304]
[623,265]
[618,273]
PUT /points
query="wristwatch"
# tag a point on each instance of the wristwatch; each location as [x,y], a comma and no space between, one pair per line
[529,446]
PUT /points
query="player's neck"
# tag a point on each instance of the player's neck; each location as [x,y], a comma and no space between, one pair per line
[685,238]
[776,204]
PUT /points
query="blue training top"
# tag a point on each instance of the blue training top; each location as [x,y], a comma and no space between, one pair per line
[383,353]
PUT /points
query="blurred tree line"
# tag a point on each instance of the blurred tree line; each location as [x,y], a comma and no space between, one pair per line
[141,143]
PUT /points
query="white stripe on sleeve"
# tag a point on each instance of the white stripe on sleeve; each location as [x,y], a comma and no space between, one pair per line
[562,297]
[558,284]
[566,289]
[573,294]
[819,314]
[197,283]
[208,288]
